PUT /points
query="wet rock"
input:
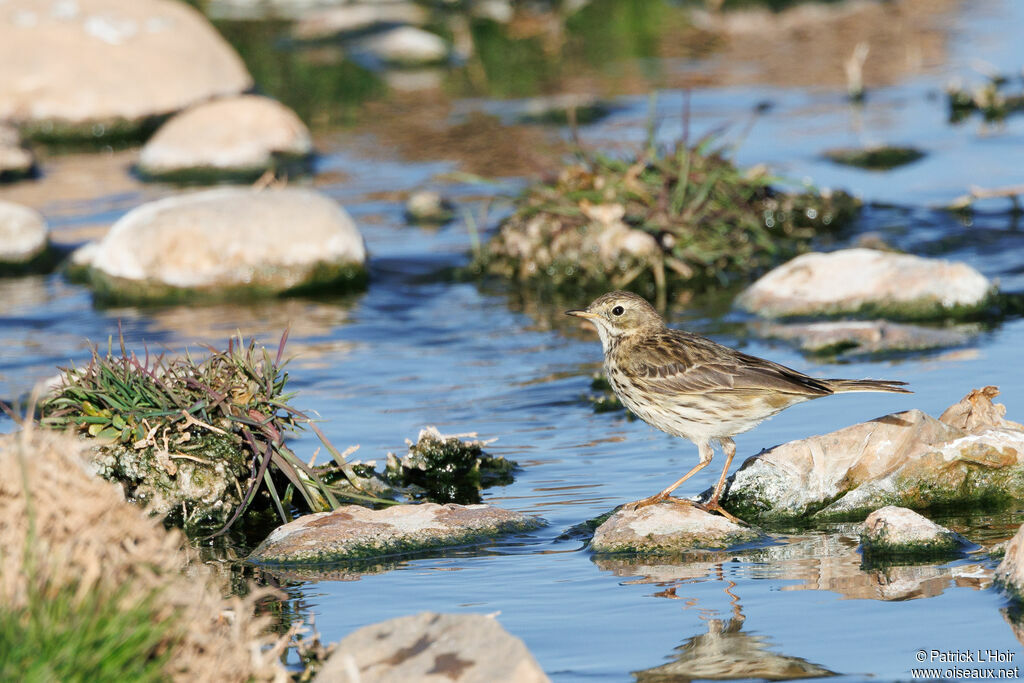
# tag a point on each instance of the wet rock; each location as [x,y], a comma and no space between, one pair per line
[853,337]
[237,137]
[15,161]
[668,527]
[432,647]
[428,207]
[868,281]
[564,108]
[404,46]
[23,235]
[230,242]
[499,11]
[355,17]
[354,532]
[892,531]
[131,61]
[1010,572]
[971,456]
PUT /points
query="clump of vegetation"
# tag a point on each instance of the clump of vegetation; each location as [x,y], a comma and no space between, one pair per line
[603,398]
[91,589]
[994,100]
[447,469]
[199,442]
[685,216]
[880,158]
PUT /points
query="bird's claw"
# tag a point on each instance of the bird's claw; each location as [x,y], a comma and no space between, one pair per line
[714,506]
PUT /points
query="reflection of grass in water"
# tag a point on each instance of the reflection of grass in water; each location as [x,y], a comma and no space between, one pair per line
[322,92]
[513,67]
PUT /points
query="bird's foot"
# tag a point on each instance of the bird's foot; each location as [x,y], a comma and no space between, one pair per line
[715,506]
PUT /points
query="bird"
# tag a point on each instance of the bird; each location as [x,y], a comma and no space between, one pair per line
[690,386]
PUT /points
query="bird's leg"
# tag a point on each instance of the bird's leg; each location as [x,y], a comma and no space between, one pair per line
[705,458]
[729,446]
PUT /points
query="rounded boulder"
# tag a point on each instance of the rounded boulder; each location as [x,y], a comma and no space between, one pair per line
[228,243]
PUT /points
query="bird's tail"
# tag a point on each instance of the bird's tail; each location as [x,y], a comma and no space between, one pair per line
[842,385]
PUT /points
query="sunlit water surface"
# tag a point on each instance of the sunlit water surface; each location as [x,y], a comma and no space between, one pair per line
[417,349]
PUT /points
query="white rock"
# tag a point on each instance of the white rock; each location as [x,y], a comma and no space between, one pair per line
[229,238]
[243,133]
[432,648]
[667,527]
[405,45]
[850,279]
[15,160]
[23,233]
[110,60]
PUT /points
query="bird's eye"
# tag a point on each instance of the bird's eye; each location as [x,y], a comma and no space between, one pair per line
[618,310]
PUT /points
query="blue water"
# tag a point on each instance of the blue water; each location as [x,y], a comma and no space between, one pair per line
[417,349]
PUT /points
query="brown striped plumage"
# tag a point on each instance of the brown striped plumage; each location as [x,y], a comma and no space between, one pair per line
[690,386]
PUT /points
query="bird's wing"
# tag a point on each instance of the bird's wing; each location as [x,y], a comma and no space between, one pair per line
[678,362]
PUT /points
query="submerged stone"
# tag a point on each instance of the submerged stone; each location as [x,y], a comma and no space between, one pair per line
[852,337]
[235,137]
[880,158]
[432,647]
[865,281]
[970,457]
[896,532]
[354,532]
[668,527]
[92,69]
[427,206]
[228,243]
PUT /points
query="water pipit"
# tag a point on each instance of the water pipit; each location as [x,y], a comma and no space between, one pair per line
[690,386]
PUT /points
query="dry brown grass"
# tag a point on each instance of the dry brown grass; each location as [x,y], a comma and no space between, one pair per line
[62,526]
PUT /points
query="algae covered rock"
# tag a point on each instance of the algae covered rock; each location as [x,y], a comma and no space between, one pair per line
[668,527]
[863,281]
[687,216]
[896,532]
[234,137]
[353,532]
[432,647]
[91,69]
[970,457]
[856,337]
[230,242]
[448,468]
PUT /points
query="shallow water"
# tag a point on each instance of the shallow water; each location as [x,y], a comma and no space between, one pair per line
[417,348]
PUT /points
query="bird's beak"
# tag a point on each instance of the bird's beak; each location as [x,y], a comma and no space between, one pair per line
[583,314]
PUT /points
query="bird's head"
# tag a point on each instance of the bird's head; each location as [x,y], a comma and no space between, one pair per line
[619,313]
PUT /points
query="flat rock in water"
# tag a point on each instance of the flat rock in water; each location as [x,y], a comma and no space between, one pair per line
[971,455]
[668,527]
[1010,572]
[433,648]
[230,242]
[862,336]
[15,161]
[23,234]
[894,531]
[89,67]
[355,532]
[247,134]
[866,280]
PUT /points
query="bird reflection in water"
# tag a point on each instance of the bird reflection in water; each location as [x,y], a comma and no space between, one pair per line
[725,652]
